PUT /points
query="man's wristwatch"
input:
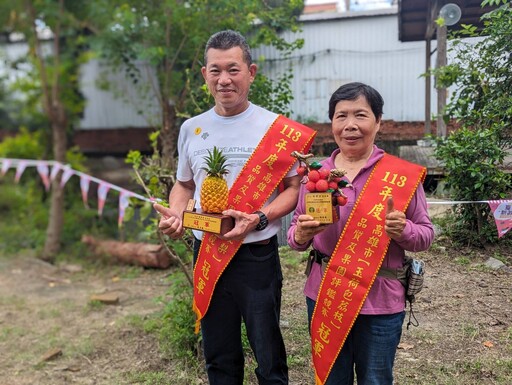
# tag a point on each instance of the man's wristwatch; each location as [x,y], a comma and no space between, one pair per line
[263,221]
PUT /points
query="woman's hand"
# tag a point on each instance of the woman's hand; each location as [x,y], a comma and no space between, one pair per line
[307,228]
[395,221]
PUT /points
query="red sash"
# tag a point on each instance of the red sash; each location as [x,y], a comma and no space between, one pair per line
[267,166]
[357,258]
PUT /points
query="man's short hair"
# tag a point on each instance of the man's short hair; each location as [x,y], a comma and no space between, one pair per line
[226,40]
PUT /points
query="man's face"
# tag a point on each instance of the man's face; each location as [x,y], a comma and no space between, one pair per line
[228,78]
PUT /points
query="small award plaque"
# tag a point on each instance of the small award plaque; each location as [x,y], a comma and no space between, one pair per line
[325,188]
[319,206]
[214,198]
[212,223]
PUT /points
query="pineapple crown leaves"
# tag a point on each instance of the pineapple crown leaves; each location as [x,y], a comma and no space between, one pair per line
[215,163]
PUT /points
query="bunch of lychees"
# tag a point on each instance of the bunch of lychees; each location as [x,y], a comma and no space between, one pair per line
[319,179]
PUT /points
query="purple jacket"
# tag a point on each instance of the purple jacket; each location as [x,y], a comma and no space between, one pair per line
[386,296]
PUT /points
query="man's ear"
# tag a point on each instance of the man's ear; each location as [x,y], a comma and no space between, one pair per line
[253,69]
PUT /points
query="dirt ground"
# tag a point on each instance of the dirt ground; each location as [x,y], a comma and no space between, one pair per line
[464,334]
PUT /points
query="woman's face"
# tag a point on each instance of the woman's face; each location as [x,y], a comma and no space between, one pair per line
[354,126]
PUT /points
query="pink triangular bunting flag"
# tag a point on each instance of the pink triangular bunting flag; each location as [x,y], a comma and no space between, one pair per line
[6,164]
[20,168]
[84,187]
[124,202]
[502,212]
[43,170]
[102,196]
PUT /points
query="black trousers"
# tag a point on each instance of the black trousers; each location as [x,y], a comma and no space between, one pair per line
[248,290]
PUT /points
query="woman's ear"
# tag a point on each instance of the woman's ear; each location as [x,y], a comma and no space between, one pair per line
[377,123]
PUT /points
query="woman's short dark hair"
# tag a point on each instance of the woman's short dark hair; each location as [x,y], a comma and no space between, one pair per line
[351,91]
[226,40]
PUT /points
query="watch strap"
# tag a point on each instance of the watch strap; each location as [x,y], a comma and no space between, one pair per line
[263,221]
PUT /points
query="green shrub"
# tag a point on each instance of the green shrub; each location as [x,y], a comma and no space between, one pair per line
[471,160]
[25,145]
[176,334]
[21,211]
[473,156]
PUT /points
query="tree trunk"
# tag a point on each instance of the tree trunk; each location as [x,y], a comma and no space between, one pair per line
[56,113]
[55,222]
[56,213]
[168,141]
[140,254]
[479,220]
[169,136]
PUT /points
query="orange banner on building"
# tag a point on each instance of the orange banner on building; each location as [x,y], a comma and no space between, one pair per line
[260,176]
[357,258]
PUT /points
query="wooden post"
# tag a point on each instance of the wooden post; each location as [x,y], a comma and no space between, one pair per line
[432,11]
[441,91]
[428,86]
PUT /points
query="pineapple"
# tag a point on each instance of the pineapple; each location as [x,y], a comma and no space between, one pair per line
[214,190]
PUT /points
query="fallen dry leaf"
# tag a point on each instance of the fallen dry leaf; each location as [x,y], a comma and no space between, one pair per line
[51,354]
[488,344]
[405,346]
[106,298]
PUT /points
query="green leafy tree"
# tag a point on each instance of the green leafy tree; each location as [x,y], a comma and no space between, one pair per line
[473,156]
[166,39]
[6,121]
[51,82]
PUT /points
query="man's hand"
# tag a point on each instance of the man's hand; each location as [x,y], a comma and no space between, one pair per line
[395,220]
[244,224]
[170,222]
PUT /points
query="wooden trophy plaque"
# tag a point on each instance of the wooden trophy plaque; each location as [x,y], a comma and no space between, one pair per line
[211,223]
[319,206]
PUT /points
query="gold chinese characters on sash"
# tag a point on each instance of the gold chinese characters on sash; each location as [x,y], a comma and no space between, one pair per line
[260,176]
[357,258]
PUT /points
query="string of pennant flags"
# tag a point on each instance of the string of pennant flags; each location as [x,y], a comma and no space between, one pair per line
[48,170]
[501,209]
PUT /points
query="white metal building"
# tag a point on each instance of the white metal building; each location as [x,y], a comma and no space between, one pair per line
[339,48]
[120,106]
[353,46]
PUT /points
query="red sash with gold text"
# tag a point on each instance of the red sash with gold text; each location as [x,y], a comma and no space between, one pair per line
[357,258]
[267,166]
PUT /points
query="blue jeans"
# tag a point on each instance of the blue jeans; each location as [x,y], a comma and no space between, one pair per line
[249,290]
[369,350]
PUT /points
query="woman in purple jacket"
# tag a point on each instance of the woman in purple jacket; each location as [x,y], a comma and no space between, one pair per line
[355,110]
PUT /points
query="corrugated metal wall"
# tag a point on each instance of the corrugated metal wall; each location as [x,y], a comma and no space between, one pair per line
[345,49]
[339,48]
[122,104]
[285,224]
